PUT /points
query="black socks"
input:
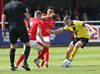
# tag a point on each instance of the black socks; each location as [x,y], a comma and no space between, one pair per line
[26,53]
[12,56]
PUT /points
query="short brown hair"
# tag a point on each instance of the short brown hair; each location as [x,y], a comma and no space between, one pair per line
[38,12]
[66,18]
[50,7]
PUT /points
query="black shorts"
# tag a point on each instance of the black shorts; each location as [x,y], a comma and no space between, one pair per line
[84,41]
[21,33]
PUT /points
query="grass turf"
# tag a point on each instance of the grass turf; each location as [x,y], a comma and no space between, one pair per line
[87,61]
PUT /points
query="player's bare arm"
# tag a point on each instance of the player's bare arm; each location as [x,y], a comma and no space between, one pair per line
[90,27]
[48,16]
[57,31]
[3,25]
[39,33]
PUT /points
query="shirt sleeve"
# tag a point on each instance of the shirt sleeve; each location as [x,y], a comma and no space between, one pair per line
[80,23]
[40,24]
[65,28]
[53,21]
[5,10]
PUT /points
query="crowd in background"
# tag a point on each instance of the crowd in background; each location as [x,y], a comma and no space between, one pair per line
[83,13]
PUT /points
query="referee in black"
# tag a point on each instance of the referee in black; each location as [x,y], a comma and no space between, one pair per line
[15,12]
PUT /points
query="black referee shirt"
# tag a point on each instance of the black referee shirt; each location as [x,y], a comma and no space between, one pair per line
[14,11]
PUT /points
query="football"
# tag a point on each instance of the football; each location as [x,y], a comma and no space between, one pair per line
[66,63]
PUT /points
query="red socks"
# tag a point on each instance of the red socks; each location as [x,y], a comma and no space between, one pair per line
[20,59]
[43,51]
[41,54]
[47,56]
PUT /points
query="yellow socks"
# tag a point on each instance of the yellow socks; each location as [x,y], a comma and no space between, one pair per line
[67,56]
[74,52]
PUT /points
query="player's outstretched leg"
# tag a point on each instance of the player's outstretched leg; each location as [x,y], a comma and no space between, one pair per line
[40,56]
[19,60]
[42,63]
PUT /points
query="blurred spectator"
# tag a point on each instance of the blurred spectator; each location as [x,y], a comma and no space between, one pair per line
[38,7]
[76,17]
[85,17]
[57,17]
[66,13]
[84,8]
[70,10]
[44,7]
[61,12]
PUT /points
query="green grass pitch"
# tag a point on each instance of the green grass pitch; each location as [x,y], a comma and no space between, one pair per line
[87,61]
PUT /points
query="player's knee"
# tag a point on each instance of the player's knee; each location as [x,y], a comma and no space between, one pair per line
[27,44]
[47,45]
[13,46]
[78,44]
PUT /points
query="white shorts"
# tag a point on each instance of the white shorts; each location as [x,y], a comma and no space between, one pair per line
[36,45]
[46,38]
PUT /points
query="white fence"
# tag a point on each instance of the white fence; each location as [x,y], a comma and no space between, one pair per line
[63,22]
[82,21]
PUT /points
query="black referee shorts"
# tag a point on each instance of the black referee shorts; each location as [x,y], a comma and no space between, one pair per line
[15,33]
[84,41]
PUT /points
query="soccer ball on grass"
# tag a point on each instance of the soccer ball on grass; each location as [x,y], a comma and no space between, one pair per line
[66,63]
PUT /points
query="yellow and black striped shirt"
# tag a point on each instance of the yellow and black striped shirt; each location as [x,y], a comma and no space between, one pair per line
[80,30]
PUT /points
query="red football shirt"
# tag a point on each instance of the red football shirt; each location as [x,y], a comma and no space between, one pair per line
[47,25]
[35,23]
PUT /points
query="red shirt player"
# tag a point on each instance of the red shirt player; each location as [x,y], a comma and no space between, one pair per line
[36,24]
[48,25]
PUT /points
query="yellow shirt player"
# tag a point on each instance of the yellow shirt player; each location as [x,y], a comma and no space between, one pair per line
[82,36]
[79,28]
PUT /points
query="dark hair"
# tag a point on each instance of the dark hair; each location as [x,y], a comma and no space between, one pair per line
[50,7]
[38,12]
[66,18]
